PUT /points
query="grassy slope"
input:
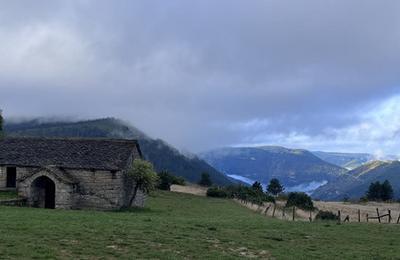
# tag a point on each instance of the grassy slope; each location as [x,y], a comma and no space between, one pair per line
[181,225]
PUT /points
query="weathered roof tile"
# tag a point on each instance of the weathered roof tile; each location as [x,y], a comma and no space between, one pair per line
[99,154]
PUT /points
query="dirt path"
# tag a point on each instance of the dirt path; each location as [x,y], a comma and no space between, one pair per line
[190,188]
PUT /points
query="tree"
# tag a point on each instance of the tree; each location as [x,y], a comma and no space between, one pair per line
[257,187]
[165,180]
[205,180]
[374,191]
[378,191]
[387,191]
[144,177]
[300,200]
[275,187]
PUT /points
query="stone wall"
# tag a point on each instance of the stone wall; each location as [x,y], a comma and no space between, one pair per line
[98,189]
[78,189]
[3,177]
[63,186]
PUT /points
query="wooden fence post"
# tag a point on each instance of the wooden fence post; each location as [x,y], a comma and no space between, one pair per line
[359,216]
[367,217]
[273,212]
[283,212]
[310,215]
[266,209]
[294,212]
[390,215]
[339,217]
[398,219]
[379,217]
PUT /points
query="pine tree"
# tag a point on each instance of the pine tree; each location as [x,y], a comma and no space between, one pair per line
[257,187]
[380,192]
[374,191]
[275,187]
[387,191]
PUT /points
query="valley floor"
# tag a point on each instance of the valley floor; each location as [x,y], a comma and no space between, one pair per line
[184,226]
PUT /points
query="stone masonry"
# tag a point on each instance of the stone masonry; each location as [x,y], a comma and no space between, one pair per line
[71,173]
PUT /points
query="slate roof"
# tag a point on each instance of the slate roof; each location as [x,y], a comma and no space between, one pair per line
[96,154]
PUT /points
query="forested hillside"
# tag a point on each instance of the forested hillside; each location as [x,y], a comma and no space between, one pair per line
[162,155]
[295,168]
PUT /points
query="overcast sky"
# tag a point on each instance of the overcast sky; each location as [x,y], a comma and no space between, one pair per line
[321,75]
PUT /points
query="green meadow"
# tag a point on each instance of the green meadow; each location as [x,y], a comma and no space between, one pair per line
[182,226]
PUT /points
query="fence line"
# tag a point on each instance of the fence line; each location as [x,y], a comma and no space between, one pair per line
[308,215]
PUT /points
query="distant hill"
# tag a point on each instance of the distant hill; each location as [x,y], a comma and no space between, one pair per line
[350,161]
[162,155]
[295,168]
[345,160]
[355,183]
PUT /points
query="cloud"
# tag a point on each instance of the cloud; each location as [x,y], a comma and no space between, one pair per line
[203,74]
[377,131]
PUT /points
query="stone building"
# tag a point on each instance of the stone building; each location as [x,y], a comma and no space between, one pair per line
[70,173]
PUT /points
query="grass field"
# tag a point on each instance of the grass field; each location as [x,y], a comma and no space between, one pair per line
[178,226]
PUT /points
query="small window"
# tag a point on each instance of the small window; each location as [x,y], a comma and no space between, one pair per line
[114,174]
[11,177]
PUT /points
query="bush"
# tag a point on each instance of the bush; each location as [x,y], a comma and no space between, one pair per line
[326,215]
[217,192]
[166,180]
[178,180]
[300,200]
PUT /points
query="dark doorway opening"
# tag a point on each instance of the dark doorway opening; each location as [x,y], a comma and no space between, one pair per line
[11,177]
[43,193]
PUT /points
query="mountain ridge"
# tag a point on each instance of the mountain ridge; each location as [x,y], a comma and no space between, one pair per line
[159,152]
[293,167]
[355,183]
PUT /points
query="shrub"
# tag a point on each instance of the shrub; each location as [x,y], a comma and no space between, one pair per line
[217,192]
[178,180]
[300,200]
[165,180]
[144,177]
[326,215]
[243,193]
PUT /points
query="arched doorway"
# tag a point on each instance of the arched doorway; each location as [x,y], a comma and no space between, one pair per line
[43,192]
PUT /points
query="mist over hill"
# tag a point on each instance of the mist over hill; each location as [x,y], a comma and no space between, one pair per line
[350,160]
[345,160]
[297,169]
[355,183]
[161,154]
